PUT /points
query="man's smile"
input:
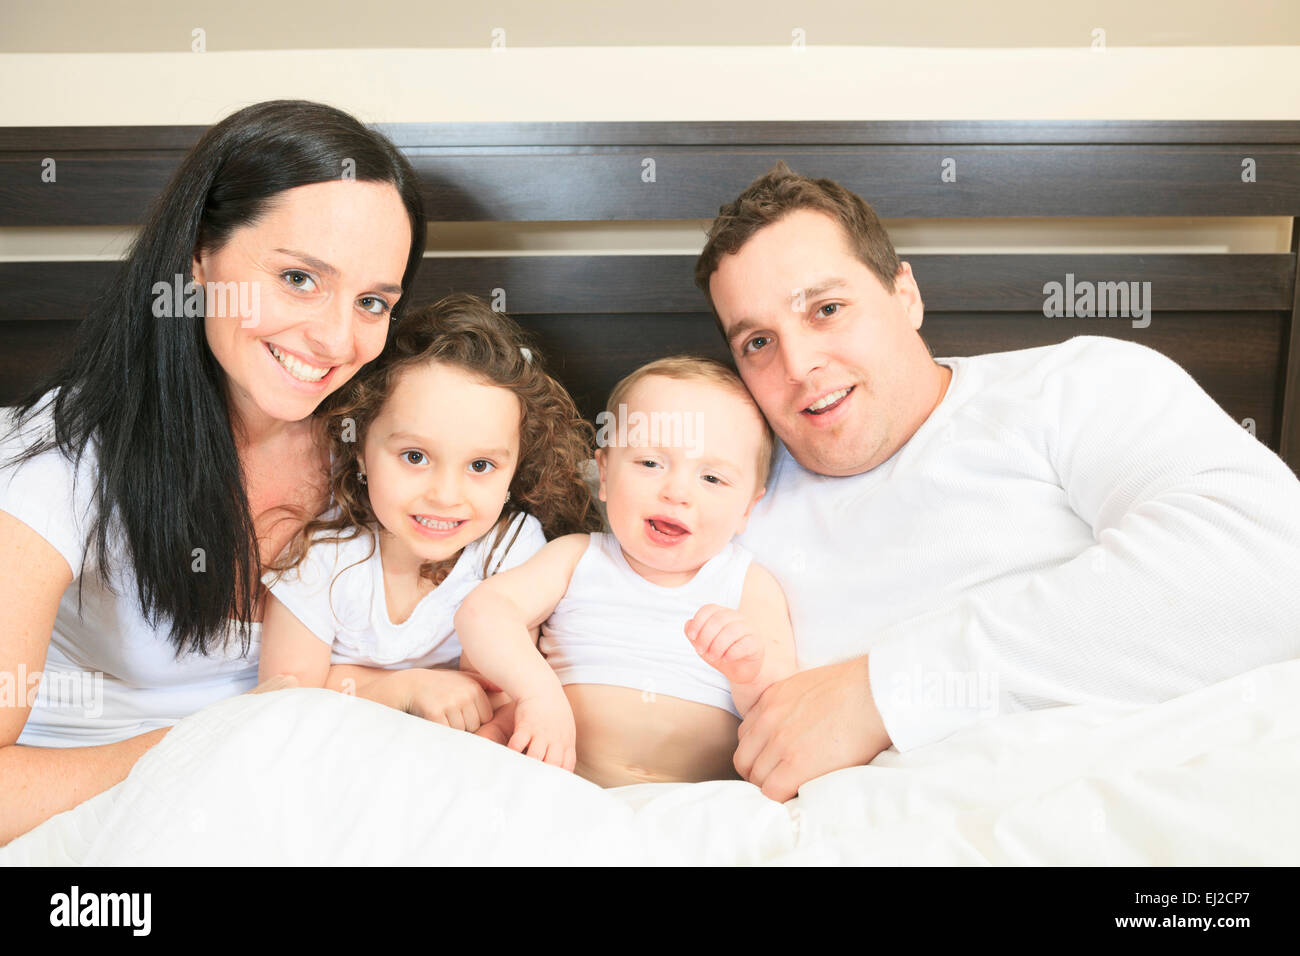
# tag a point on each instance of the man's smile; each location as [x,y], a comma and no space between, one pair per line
[828,402]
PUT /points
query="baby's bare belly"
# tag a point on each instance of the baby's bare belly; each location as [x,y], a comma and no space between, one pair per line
[625,737]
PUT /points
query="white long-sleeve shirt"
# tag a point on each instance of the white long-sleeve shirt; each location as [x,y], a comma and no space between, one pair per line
[1075,523]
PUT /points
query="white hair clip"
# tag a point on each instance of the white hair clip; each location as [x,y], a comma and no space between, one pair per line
[527,354]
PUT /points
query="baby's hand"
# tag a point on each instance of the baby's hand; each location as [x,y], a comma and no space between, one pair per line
[544,729]
[725,640]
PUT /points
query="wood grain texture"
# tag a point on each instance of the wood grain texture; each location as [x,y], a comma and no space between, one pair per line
[546,285]
[1228,319]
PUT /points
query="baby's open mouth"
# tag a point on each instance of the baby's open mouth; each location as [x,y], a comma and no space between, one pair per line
[664,526]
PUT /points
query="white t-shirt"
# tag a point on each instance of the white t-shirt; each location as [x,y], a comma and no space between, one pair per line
[614,627]
[352,616]
[1074,523]
[108,675]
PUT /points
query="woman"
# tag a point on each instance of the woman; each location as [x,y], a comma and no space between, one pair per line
[188,417]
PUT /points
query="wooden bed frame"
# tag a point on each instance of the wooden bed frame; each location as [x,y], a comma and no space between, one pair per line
[1230,319]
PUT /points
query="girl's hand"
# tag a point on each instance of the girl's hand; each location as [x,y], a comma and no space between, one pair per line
[443,696]
[544,729]
[501,727]
[727,642]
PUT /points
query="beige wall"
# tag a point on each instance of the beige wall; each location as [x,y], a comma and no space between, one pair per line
[153,26]
[131,62]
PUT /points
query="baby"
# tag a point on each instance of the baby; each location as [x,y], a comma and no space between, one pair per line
[657,638]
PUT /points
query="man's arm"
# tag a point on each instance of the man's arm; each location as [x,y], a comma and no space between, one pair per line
[1191,579]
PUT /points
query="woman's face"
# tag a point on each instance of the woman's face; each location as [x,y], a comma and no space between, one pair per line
[314,282]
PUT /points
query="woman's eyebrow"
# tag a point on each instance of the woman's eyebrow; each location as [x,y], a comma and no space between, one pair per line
[323,267]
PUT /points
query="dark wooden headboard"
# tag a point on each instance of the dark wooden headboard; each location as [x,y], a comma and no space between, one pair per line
[1229,319]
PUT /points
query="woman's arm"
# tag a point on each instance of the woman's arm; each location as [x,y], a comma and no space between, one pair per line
[38,782]
[42,781]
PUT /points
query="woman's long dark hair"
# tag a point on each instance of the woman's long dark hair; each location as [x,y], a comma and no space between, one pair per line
[150,394]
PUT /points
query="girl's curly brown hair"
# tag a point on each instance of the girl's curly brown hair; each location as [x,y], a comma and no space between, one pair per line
[554,439]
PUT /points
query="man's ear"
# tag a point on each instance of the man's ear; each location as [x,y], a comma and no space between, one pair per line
[601,464]
[909,294]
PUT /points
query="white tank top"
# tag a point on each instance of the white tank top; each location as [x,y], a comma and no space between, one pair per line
[614,627]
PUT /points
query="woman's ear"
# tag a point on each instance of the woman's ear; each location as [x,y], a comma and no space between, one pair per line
[196,270]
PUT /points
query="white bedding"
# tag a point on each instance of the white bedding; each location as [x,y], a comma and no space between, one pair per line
[315,777]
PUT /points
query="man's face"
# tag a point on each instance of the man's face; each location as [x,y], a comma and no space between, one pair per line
[833,360]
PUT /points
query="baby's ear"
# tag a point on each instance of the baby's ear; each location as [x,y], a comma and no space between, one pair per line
[744,519]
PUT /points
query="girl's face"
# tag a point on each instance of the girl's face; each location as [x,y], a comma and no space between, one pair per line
[438,461]
[299,300]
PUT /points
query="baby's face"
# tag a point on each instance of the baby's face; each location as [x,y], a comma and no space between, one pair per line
[685,482]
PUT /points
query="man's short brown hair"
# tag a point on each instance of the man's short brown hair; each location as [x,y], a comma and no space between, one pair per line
[780,192]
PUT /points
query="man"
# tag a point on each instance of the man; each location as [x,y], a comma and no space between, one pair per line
[970,537]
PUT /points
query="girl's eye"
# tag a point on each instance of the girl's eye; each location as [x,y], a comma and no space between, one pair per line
[375,306]
[481,466]
[649,463]
[753,346]
[308,284]
[828,305]
[713,479]
[406,456]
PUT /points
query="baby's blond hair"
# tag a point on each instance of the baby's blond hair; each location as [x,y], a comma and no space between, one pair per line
[699,368]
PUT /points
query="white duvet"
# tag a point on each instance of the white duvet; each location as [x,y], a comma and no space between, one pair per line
[315,777]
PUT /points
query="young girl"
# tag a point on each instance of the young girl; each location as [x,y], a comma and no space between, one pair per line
[454,458]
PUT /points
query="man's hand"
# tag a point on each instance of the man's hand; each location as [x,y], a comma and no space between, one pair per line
[807,725]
